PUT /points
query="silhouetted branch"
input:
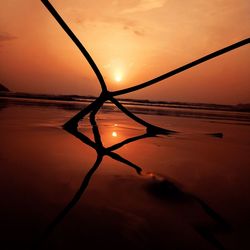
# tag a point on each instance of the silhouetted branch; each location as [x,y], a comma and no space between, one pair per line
[182,68]
[79,45]
[129,140]
[83,138]
[125,161]
[151,129]
[95,129]
[73,122]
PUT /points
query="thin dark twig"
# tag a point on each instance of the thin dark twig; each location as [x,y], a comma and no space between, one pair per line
[152,129]
[128,113]
[129,140]
[182,68]
[79,45]
[73,122]
[83,138]
[125,161]
[95,128]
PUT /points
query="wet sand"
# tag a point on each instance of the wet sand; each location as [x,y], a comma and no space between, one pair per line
[193,192]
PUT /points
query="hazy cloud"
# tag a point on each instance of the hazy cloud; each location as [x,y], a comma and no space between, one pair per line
[124,23]
[114,14]
[4,36]
[127,24]
[134,28]
[145,5]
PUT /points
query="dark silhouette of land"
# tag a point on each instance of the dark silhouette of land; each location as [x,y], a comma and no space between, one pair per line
[3,88]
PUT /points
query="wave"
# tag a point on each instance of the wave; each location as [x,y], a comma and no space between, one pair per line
[240,113]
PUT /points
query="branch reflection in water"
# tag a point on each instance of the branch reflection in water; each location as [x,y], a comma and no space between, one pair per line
[158,186]
[101,151]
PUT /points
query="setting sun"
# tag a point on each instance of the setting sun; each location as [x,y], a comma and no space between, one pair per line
[118,77]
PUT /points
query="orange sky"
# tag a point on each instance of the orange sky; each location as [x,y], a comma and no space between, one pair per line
[131,41]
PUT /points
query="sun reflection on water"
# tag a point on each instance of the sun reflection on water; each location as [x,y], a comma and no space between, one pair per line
[114,134]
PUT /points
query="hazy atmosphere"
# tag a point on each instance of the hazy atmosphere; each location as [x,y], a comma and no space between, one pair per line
[131,41]
[144,148]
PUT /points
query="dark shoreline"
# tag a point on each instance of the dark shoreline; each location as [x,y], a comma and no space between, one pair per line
[171,110]
[128,101]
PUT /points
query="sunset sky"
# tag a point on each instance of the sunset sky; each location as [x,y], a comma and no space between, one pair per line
[131,41]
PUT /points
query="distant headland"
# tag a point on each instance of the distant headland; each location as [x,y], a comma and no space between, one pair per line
[3,88]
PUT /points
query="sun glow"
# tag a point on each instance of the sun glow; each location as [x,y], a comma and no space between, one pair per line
[114,134]
[118,77]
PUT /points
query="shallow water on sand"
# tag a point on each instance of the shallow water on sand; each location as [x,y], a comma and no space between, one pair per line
[193,192]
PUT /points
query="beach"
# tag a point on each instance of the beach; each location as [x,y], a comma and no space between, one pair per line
[192,192]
